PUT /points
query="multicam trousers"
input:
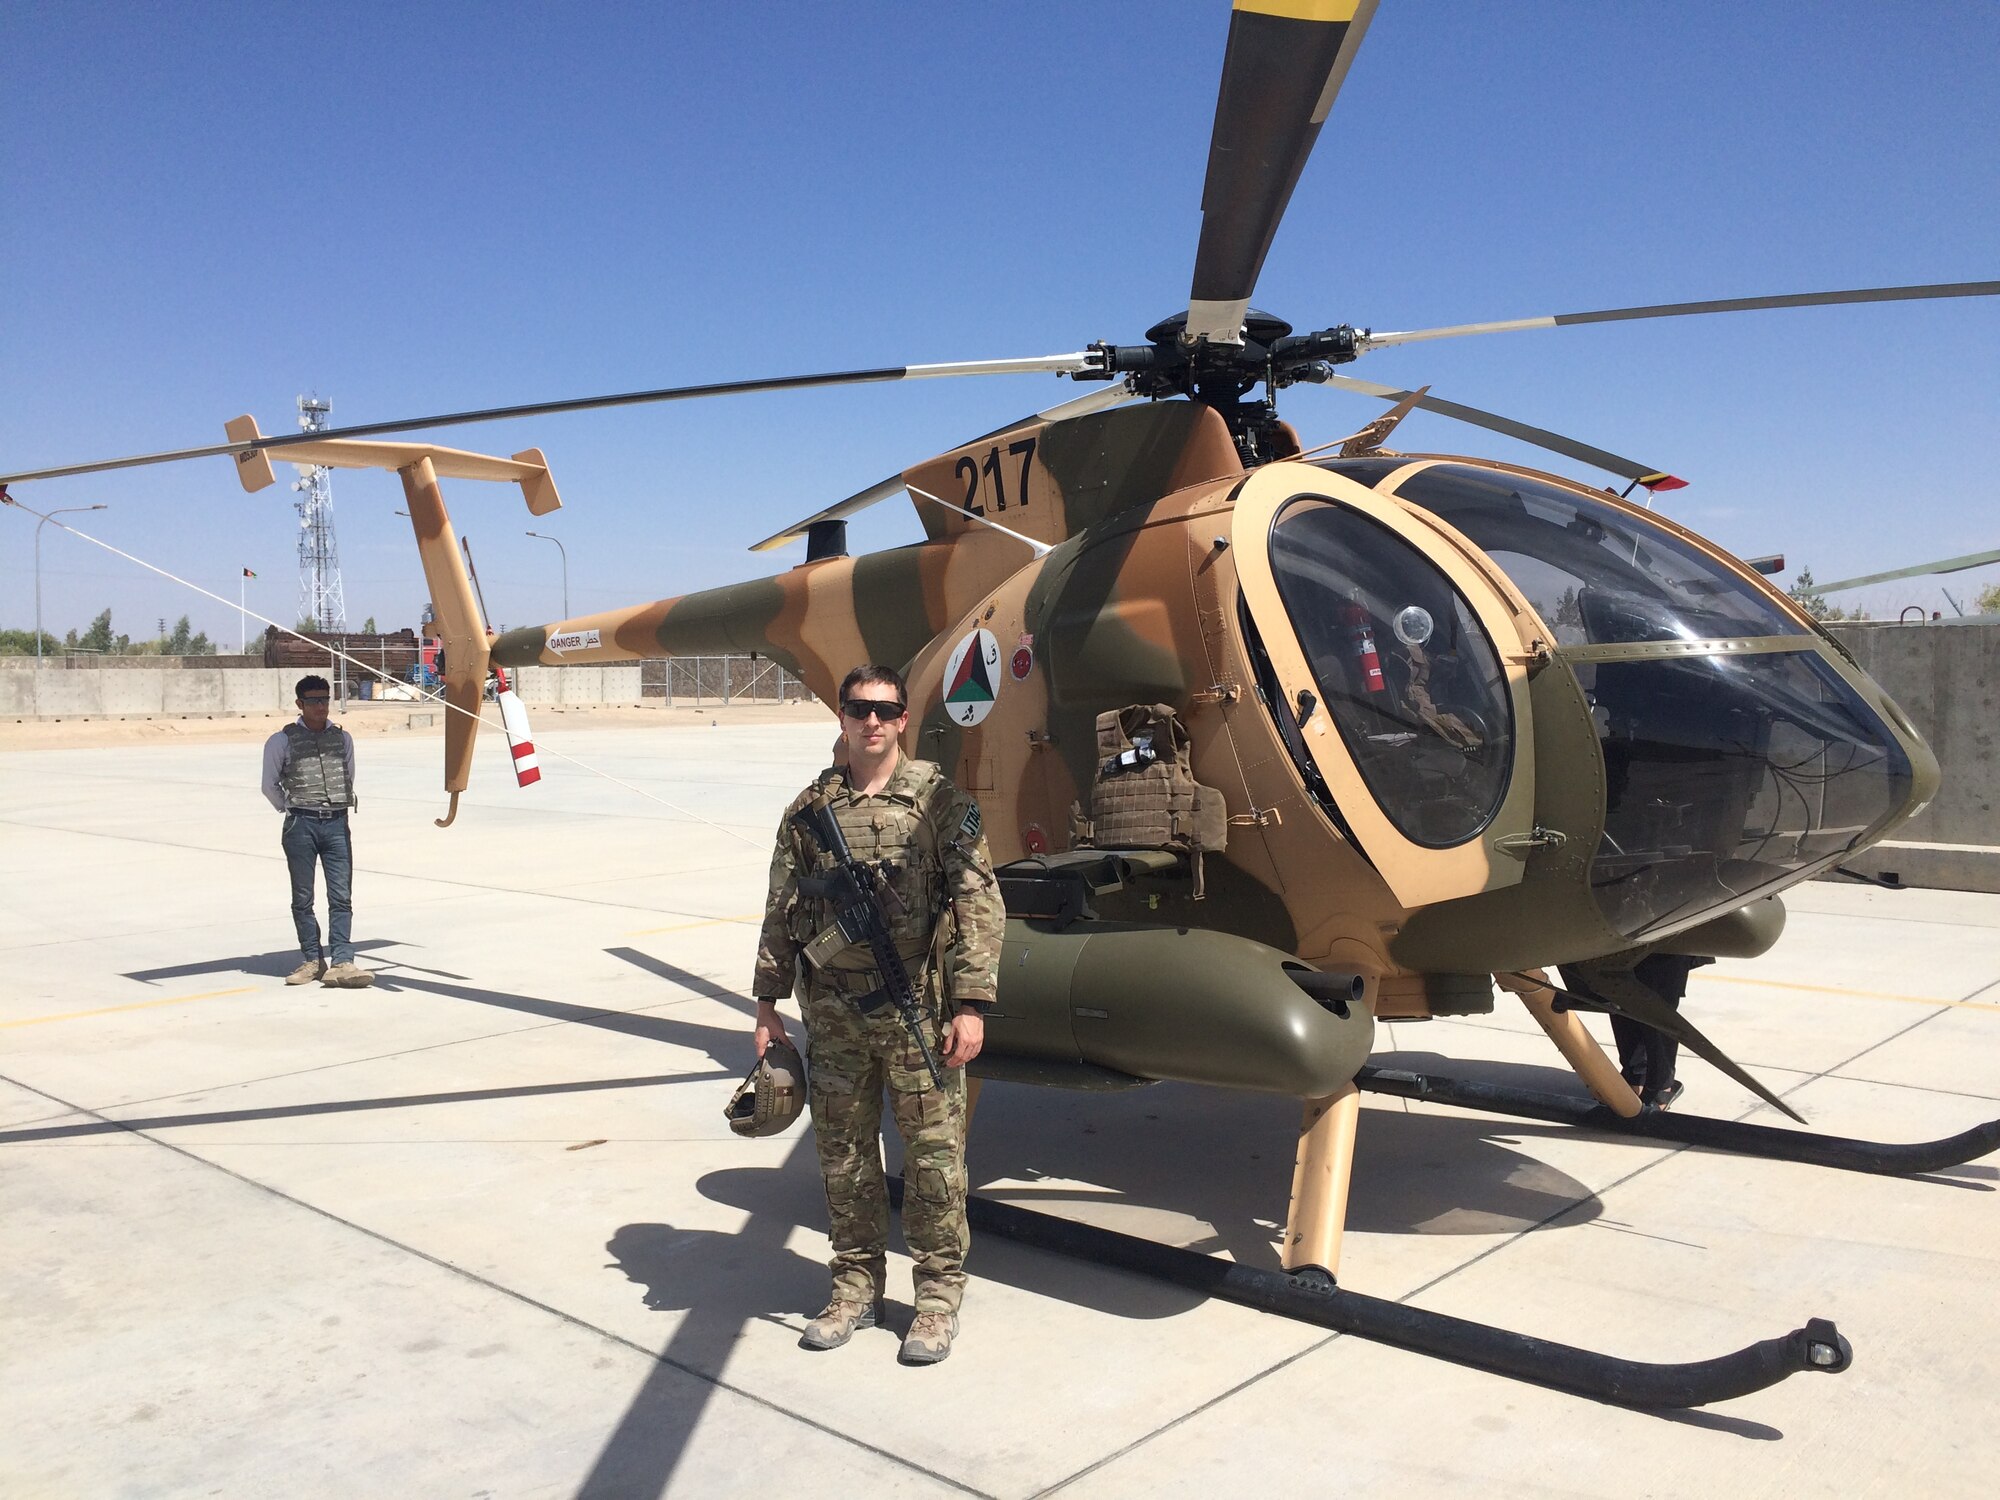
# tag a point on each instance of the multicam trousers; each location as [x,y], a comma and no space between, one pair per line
[850,1059]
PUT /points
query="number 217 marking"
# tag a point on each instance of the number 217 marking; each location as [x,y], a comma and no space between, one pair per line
[987,482]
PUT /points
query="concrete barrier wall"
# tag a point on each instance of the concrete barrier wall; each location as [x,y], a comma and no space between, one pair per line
[1947,679]
[131,692]
[194,692]
[65,693]
[578,686]
[260,690]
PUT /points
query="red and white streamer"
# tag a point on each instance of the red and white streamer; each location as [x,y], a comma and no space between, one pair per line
[514,719]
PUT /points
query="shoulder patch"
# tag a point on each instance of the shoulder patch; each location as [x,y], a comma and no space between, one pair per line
[969,827]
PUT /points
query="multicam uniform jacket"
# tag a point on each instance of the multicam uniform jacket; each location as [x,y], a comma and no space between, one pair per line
[946,915]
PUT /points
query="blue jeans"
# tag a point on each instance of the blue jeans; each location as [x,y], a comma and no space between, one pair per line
[325,840]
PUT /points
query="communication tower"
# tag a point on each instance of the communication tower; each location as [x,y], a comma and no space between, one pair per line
[321,598]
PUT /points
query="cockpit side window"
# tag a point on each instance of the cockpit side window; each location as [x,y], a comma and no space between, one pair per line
[1403,667]
[1596,574]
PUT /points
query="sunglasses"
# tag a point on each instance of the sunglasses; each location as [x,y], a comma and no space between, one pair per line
[859,709]
[316,698]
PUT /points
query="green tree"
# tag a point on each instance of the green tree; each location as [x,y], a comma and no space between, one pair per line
[368,626]
[306,623]
[98,637]
[201,645]
[1813,602]
[177,642]
[1988,602]
[1569,610]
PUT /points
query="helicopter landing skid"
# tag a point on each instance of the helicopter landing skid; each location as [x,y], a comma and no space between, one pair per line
[1885,1158]
[1310,1295]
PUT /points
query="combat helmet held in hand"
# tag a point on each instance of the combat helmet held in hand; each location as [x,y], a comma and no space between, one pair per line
[771,1095]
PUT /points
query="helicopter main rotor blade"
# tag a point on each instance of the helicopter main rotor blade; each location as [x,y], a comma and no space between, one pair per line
[1919,570]
[1101,400]
[1368,341]
[1284,63]
[1555,442]
[1638,1002]
[1060,364]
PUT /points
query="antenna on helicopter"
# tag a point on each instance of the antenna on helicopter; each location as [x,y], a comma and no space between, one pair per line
[1041,549]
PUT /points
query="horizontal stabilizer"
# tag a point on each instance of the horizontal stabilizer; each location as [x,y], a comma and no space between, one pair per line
[528,468]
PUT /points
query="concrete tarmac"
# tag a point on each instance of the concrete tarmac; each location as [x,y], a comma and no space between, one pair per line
[481,1230]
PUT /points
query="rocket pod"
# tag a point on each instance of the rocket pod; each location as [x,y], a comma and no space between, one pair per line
[1132,1002]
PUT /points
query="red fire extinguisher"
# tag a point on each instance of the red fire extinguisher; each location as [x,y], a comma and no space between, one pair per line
[1364,648]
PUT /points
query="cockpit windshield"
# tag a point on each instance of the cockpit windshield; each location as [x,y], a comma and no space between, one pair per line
[1726,774]
[1594,573]
[1728,769]
[1404,668]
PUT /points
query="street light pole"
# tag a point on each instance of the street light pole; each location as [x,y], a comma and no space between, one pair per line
[65,511]
[565,566]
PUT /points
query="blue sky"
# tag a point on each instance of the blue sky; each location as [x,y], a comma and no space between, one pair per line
[412,208]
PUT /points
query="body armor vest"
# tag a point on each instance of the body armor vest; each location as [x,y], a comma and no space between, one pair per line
[1145,795]
[890,832]
[315,773]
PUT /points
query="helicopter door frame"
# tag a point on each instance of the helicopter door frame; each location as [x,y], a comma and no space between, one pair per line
[1416,874]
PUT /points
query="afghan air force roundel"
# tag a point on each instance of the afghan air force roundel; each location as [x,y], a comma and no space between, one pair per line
[972,678]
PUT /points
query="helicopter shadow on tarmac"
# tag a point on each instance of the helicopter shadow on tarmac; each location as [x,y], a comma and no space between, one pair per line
[1220,1163]
[1168,1159]
[730,1048]
[277,965]
[1176,1155]
[1206,1167]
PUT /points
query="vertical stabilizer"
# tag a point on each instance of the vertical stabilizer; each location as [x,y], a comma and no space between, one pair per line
[459,623]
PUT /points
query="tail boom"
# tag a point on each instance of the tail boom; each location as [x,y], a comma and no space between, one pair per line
[817,621]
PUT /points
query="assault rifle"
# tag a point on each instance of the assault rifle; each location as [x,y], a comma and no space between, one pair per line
[854,890]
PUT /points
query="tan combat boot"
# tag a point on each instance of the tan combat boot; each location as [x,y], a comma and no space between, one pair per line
[929,1339]
[307,972]
[839,1323]
[348,977]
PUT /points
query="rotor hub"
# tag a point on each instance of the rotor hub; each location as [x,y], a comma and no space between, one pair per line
[1221,375]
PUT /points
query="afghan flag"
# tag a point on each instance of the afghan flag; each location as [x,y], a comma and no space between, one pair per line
[971,684]
[248,574]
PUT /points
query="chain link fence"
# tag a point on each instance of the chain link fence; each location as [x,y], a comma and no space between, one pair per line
[720,679]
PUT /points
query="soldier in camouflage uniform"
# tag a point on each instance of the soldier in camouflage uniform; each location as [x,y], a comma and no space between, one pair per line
[946,919]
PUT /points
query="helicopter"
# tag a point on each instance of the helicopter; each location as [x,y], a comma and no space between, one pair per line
[1439,724]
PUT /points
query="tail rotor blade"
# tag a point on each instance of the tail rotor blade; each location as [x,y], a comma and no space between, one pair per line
[1285,62]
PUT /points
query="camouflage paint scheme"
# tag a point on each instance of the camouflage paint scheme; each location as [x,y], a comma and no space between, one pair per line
[925,832]
[1141,601]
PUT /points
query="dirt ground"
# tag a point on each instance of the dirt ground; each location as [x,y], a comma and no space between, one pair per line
[361,718]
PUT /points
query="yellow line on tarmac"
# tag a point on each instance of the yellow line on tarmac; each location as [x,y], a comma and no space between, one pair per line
[1827,989]
[755,916]
[109,1010]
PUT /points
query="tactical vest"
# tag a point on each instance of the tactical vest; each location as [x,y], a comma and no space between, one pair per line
[315,773]
[1144,795]
[888,831]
